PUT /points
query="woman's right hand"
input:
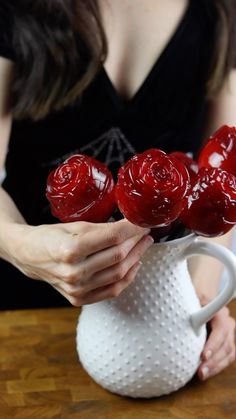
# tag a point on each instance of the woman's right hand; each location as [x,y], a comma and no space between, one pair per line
[85,262]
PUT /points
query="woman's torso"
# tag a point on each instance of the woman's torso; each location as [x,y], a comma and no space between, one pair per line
[131,105]
[164,80]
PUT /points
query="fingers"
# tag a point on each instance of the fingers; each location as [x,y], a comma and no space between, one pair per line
[97,237]
[113,290]
[219,351]
[214,343]
[218,360]
[117,271]
[106,292]
[116,255]
[113,274]
[216,364]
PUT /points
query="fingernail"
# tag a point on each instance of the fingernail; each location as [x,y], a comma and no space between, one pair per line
[147,230]
[149,240]
[208,354]
[205,372]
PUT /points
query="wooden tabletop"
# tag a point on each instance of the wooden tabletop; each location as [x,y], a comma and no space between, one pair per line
[40,377]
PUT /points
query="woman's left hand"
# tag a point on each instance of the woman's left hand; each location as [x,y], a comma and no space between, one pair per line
[219,351]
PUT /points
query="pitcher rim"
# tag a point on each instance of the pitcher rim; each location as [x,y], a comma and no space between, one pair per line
[188,237]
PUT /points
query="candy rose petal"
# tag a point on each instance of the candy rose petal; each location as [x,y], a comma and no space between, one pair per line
[81,189]
[190,163]
[151,187]
[220,150]
[211,208]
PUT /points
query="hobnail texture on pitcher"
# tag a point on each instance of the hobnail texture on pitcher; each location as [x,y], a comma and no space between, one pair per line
[143,343]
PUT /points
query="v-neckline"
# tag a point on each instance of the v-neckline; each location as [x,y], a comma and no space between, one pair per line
[113,91]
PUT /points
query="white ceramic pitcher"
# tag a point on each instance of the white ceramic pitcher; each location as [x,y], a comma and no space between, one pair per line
[147,342]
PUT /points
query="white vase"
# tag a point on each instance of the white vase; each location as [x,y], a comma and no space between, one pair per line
[147,342]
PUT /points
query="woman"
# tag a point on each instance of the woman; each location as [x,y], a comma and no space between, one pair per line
[109,79]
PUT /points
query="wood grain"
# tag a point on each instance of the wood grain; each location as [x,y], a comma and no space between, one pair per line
[40,377]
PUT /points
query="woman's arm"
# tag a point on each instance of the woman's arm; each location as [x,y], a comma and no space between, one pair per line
[8,211]
[219,350]
[85,262]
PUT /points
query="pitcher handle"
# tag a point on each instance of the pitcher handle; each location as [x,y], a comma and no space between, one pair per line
[226,256]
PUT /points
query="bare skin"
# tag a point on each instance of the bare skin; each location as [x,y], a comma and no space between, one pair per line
[87,262]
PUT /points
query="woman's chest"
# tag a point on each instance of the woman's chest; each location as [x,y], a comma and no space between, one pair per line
[137,33]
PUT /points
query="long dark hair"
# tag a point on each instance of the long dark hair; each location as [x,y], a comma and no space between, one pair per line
[224,43]
[53,65]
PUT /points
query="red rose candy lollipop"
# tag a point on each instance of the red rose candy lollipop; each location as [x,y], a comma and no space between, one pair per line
[81,189]
[220,150]
[190,164]
[211,208]
[151,187]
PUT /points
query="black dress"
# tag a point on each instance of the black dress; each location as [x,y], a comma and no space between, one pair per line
[167,112]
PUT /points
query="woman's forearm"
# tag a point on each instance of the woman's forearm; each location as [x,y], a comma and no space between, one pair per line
[11,222]
[8,210]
